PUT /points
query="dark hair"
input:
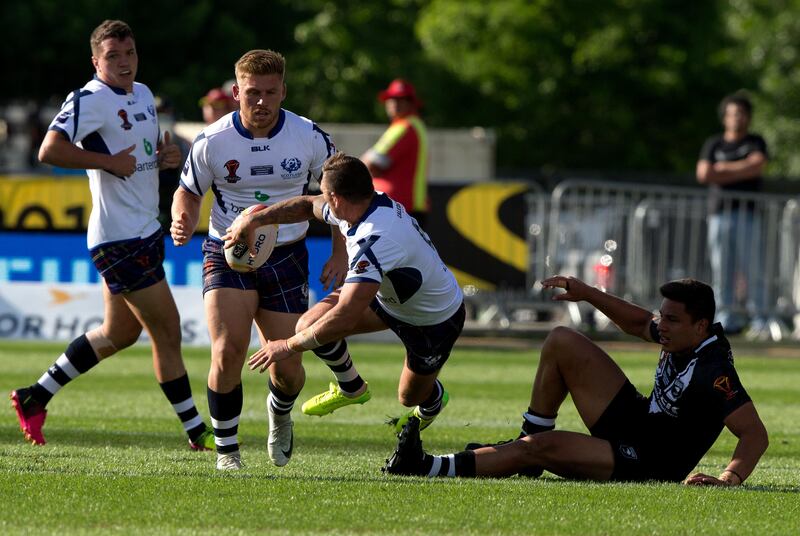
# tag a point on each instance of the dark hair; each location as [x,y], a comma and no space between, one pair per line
[109,28]
[697,296]
[348,177]
[740,99]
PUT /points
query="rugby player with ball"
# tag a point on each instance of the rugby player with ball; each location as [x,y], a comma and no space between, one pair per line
[258,154]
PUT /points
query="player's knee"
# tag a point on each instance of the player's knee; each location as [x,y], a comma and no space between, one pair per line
[290,378]
[561,337]
[227,357]
[538,448]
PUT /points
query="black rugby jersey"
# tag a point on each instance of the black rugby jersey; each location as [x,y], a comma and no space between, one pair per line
[693,393]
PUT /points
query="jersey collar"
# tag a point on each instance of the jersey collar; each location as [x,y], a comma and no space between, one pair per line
[378,200]
[117,90]
[240,128]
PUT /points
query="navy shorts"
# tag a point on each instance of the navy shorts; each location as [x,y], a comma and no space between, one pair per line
[129,265]
[282,282]
[427,347]
[637,451]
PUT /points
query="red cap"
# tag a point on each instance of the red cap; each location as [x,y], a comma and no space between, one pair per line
[215,95]
[400,89]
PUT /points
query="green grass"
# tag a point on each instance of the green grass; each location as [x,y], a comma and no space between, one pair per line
[116,460]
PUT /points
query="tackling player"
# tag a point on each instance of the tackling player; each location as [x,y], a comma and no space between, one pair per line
[396,281]
[109,127]
[259,154]
[696,393]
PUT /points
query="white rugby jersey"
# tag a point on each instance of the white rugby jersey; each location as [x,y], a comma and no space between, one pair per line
[243,171]
[107,119]
[388,247]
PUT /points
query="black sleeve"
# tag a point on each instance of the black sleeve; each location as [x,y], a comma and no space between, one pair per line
[725,390]
[761,144]
[707,152]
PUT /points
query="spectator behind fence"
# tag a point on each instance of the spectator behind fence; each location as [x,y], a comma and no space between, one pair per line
[398,162]
[216,104]
[733,162]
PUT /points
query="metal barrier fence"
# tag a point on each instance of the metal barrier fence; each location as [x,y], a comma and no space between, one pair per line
[630,238]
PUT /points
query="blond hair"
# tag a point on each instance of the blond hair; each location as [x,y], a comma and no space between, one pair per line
[109,29]
[258,62]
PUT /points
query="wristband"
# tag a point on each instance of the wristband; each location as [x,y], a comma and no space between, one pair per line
[304,340]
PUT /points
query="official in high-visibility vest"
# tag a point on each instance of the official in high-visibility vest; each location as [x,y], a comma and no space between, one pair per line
[398,162]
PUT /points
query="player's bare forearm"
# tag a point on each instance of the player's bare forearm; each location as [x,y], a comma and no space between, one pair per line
[341,320]
[294,210]
[724,173]
[57,151]
[334,270]
[628,316]
[185,213]
[745,424]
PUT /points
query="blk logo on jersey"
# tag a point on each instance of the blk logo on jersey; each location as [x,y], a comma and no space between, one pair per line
[259,148]
[125,123]
[232,166]
[291,166]
[139,116]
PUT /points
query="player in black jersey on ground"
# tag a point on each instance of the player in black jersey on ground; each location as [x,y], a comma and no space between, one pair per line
[635,438]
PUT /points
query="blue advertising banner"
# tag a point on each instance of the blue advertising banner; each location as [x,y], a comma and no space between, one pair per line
[63,258]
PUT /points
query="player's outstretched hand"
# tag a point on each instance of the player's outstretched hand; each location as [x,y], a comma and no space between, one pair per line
[179,230]
[242,229]
[168,153]
[700,479]
[334,271]
[123,163]
[576,290]
[272,352]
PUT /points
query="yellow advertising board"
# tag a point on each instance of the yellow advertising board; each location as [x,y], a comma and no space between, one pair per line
[47,203]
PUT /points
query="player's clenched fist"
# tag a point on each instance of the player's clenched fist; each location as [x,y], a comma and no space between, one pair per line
[169,154]
[179,230]
[123,164]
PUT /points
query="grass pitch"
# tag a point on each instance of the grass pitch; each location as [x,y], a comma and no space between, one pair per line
[117,461]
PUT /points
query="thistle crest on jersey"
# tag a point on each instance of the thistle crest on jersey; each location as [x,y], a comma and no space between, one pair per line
[291,165]
[125,123]
[232,166]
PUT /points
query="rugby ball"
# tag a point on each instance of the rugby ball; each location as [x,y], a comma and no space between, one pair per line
[238,256]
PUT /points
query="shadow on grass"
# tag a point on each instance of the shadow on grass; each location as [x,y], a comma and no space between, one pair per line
[314,442]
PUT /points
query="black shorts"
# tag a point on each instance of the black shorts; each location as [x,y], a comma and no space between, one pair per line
[427,347]
[282,282]
[626,425]
[129,265]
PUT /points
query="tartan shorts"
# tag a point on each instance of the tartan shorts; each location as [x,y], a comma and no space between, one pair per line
[282,282]
[130,265]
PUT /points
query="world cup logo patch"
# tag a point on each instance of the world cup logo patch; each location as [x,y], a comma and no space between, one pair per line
[124,116]
[232,166]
